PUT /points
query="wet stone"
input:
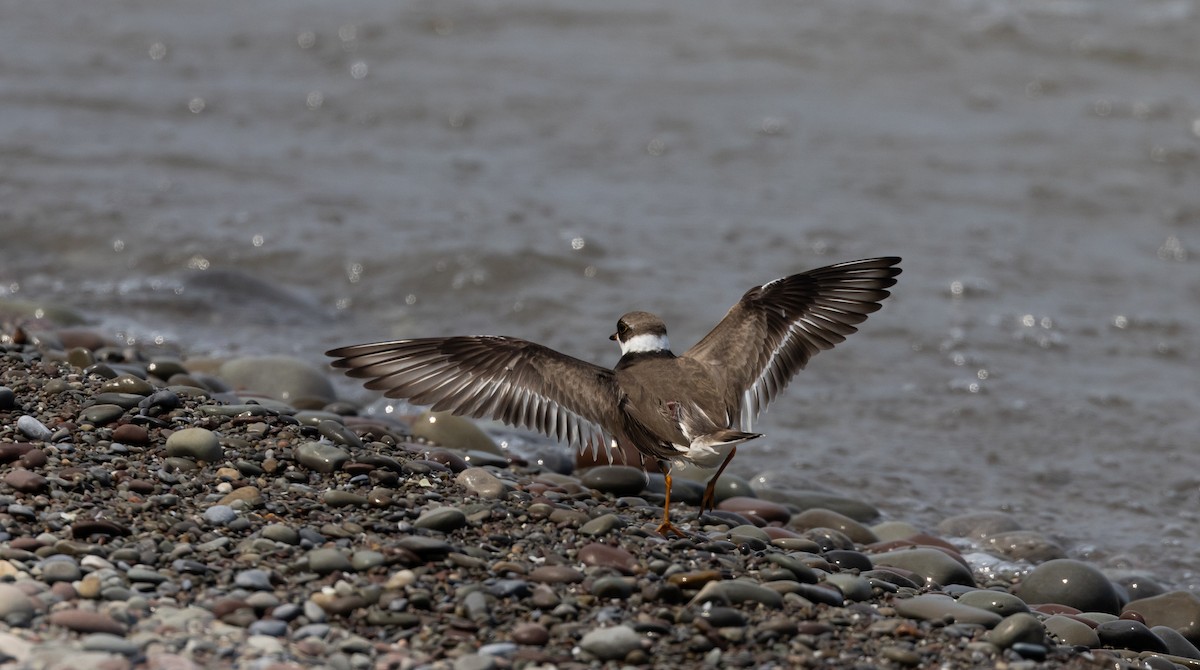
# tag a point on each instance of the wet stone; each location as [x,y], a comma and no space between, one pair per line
[602,525]
[764,509]
[607,556]
[531,634]
[83,621]
[326,560]
[1176,643]
[25,481]
[613,587]
[611,644]
[1129,634]
[855,509]
[481,482]
[933,565]
[824,518]
[802,572]
[555,574]
[33,429]
[1176,609]
[127,384]
[1069,582]
[931,607]
[1016,628]
[453,432]
[998,602]
[444,519]
[1024,545]
[196,443]
[129,433]
[99,415]
[619,480]
[978,525]
[732,592]
[338,433]
[321,457]
[1065,630]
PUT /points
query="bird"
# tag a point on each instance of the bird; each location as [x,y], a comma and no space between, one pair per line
[695,407]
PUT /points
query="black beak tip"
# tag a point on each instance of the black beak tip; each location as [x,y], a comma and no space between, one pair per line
[613,337]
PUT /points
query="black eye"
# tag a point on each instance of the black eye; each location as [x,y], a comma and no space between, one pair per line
[622,328]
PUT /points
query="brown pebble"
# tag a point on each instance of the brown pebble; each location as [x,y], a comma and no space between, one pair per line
[33,459]
[764,509]
[128,433]
[226,606]
[556,574]
[88,527]
[250,495]
[530,633]
[694,579]
[11,451]
[83,621]
[25,481]
[607,556]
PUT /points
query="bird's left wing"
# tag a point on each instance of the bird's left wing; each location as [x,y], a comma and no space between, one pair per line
[505,378]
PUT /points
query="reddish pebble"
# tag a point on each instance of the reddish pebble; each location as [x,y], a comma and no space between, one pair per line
[608,556]
[11,451]
[556,574]
[128,433]
[83,621]
[764,509]
[34,458]
[777,532]
[25,481]
[530,633]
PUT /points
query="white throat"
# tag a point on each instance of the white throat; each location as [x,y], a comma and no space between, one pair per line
[645,343]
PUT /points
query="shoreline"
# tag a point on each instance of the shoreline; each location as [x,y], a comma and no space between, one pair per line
[154,518]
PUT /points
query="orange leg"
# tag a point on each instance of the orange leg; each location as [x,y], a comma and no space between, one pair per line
[709,500]
[666,526]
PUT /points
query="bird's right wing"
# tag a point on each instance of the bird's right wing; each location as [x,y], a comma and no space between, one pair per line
[513,380]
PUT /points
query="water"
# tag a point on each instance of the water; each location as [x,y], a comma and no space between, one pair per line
[275,176]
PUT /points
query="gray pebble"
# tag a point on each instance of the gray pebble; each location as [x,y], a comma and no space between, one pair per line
[475,662]
[443,519]
[601,525]
[480,459]
[321,456]
[1177,644]
[280,377]
[978,525]
[1066,630]
[611,644]
[1019,627]
[935,566]
[453,432]
[499,649]
[145,575]
[734,591]
[329,559]
[855,509]
[33,429]
[16,608]
[852,587]
[1129,634]
[619,480]
[1024,545]
[1069,582]
[613,587]
[109,643]
[197,443]
[127,383]
[338,433]
[60,569]
[219,515]
[255,579]
[999,602]
[99,415]
[365,559]
[481,482]
[932,607]
[272,627]
[802,572]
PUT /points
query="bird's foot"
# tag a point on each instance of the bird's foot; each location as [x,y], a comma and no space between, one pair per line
[666,527]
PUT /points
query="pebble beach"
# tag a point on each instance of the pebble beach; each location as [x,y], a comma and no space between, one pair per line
[159,512]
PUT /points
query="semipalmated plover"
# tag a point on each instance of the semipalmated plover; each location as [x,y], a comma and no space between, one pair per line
[694,407]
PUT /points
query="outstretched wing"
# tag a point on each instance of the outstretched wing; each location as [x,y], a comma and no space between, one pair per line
[798,316]
[513,380]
